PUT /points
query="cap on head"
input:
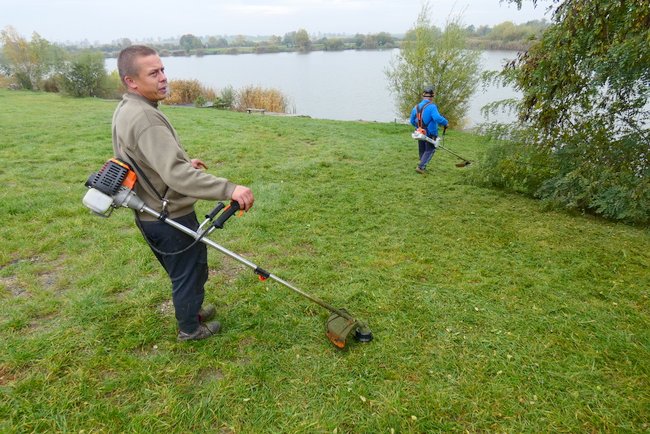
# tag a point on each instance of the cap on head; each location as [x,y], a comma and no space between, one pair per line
[427,91]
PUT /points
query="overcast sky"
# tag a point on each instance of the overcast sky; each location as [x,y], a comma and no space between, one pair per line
[104,21]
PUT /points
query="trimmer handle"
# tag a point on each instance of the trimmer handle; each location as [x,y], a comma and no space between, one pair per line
[227,213]
[215,211]
[444,130]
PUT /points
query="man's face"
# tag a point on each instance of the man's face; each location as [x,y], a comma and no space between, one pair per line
[151,81]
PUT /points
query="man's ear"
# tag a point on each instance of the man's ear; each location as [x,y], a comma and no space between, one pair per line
[130,83]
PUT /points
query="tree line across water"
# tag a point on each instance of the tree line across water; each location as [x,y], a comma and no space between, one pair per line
[507,35]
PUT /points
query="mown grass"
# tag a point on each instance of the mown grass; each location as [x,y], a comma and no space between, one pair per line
[489,313]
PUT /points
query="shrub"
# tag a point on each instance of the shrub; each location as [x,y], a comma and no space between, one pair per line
[257,97]
[6,81]
[84,75]
[226,98]
[573,178]
[51,84]
[188,92]
[511,167]
[112,86]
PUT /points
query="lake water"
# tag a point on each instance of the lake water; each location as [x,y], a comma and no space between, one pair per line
[340,85]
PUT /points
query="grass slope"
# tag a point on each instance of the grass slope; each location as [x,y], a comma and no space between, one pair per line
[489,313]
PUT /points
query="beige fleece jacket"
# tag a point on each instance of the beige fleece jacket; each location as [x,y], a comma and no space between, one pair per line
[147,137]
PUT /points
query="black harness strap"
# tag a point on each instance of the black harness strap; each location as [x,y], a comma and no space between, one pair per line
[163,197]
[419,111]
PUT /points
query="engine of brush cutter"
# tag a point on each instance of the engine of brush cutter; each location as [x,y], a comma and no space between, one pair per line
[110,188]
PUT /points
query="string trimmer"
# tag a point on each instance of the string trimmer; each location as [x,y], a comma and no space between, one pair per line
[420,135]
[113,187]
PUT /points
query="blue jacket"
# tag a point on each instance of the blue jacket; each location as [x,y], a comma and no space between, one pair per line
[431,117]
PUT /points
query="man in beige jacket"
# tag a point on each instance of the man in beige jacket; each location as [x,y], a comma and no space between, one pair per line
[171,183]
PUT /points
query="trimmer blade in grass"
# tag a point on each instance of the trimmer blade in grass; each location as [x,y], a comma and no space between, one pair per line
[339,327]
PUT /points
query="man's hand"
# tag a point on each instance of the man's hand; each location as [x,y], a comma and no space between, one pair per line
[243,196]
[198,164]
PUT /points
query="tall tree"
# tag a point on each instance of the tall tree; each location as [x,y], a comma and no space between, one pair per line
[190,42]
[584,116]
[431,57]
[303,43]
[385,39]
[289,39]
[29,62]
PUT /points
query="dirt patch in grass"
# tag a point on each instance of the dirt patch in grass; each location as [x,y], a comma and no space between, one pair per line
[243,346]
[146,351]
[122,294]
[228,272]
[13,286]
[6,376]
[210,374]
[166,308]
[43,323]
[48,280]
[226,430]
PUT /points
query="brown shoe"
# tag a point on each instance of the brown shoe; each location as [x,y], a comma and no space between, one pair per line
[204,331]
[207,313]
[422,171]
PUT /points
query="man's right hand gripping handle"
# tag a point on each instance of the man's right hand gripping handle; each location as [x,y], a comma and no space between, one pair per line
[244,197]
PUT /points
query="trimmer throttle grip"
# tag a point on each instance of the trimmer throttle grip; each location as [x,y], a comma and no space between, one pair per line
[215,211]
[228,212]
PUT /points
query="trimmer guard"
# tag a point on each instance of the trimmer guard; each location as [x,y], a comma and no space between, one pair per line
[339,327]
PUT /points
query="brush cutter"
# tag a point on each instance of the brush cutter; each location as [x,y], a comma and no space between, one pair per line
[112,187]
[419,135]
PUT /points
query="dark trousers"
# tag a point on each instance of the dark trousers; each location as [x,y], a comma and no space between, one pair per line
[426,151]
[188,271]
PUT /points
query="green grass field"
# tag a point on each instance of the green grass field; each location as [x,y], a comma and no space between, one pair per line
[489,313]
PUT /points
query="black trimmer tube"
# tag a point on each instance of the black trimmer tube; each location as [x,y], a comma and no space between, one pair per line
[465,161]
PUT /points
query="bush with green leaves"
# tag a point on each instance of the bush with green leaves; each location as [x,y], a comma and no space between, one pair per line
[85,75]
[226,98]
[584,111]
[112,87]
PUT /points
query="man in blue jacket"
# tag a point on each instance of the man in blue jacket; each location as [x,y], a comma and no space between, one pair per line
[426,116]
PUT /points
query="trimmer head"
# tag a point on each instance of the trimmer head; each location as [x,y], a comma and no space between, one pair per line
[338,328]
